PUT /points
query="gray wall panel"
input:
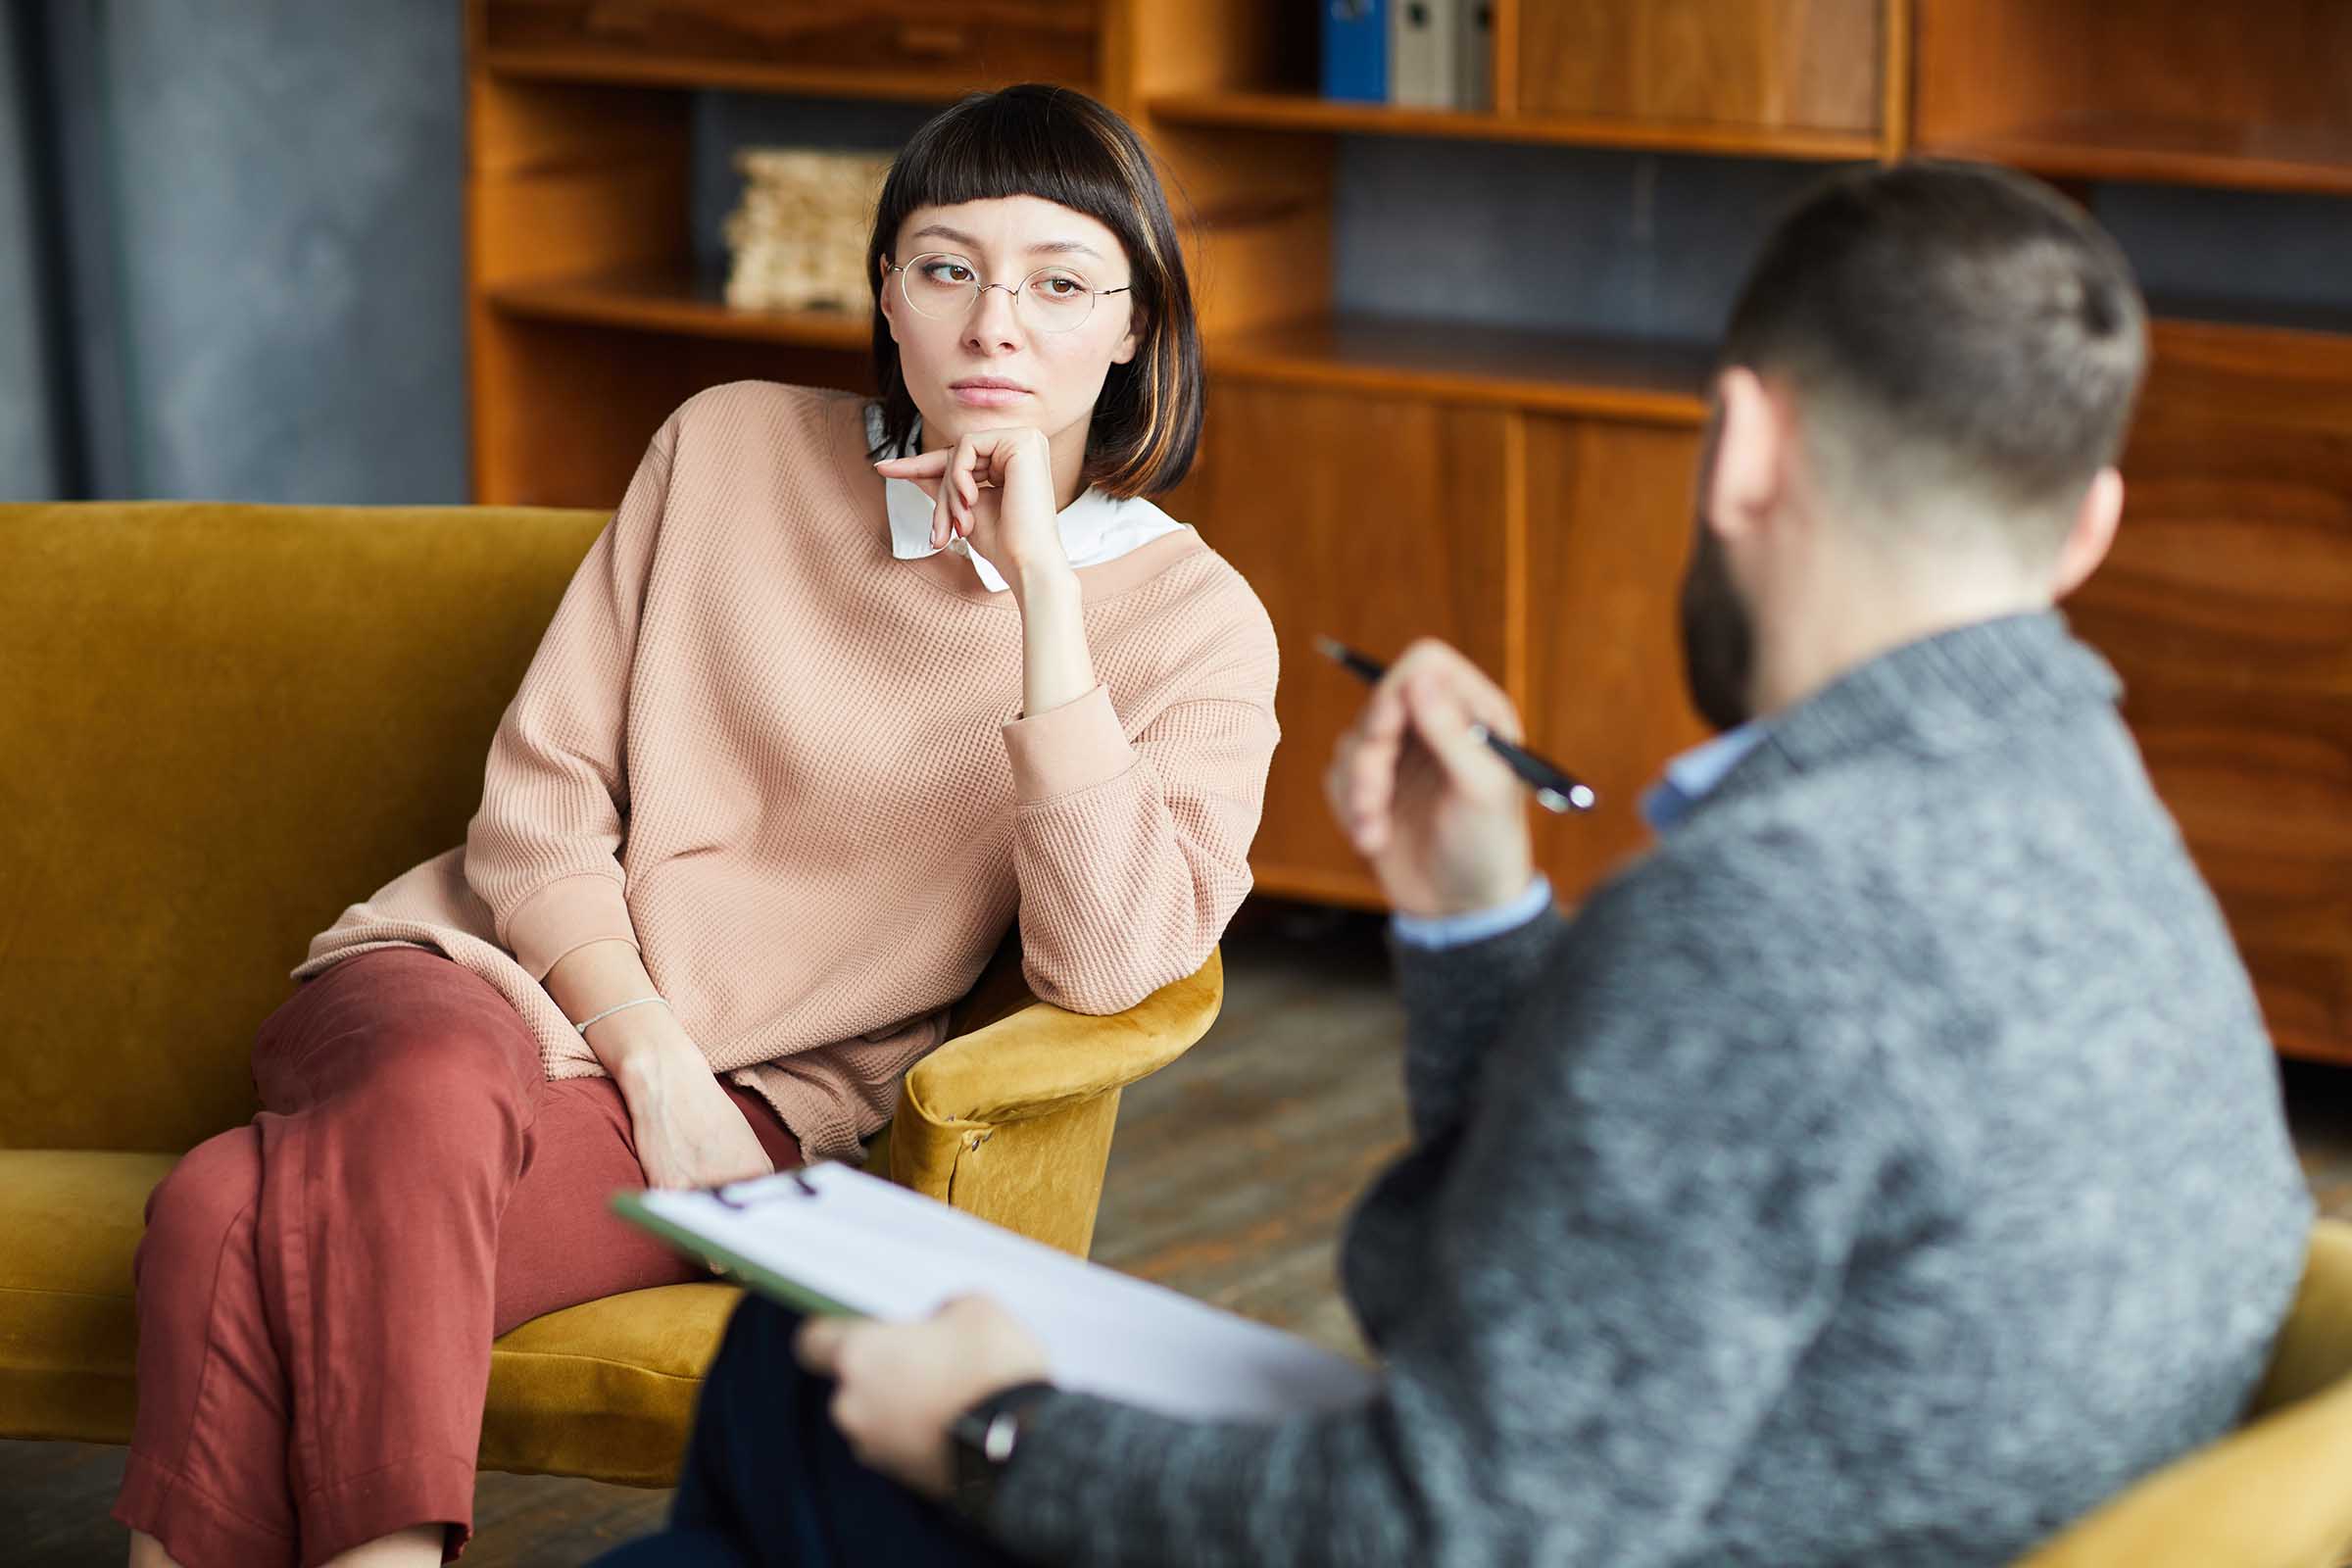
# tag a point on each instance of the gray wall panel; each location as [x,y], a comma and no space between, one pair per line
[2249,249]
[286,197]
[28,430]
[1608,243]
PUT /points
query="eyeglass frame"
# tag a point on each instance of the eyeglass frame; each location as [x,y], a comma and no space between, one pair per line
[980,289]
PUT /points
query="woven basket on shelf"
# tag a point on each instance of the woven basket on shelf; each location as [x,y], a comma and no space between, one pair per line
[797,237]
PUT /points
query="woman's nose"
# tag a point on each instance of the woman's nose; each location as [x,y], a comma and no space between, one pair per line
[996,316]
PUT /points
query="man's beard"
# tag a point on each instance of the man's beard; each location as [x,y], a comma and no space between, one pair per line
[1718,635]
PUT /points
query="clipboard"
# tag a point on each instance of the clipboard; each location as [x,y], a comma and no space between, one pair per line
[830,1238]
[726,1262]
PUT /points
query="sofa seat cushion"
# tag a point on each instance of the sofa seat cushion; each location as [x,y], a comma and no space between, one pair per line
[605,1389]
[72,1221]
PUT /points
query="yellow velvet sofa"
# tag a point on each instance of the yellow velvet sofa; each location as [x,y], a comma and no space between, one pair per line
[220,723]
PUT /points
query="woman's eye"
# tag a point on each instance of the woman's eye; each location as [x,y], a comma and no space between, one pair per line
[949,272]
[1060,288]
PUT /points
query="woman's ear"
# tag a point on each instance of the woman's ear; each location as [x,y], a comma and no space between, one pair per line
[1137,326]
[885,296]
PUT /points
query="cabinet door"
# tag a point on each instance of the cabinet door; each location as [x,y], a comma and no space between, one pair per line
[1762,64]
[1608,528]
[2226,604]
[1371,519]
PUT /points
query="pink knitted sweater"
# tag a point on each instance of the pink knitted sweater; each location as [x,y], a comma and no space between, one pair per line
[793,772]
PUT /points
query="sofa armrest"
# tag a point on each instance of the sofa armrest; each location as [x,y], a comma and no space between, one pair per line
[1015,1061]
[2313,1351]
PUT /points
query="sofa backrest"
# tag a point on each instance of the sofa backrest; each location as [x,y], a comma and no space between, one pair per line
[222,724]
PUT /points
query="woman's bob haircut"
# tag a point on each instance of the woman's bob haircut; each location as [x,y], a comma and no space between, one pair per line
[1062,147]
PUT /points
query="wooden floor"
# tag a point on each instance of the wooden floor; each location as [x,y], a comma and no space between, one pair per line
[1229,1180]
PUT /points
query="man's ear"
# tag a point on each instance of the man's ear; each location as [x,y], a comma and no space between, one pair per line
[2093,531]
[1750,433]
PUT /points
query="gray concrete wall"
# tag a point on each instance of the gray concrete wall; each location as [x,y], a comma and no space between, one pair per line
[27,429]
[277,188]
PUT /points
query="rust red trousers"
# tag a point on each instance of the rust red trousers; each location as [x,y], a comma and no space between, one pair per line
[317,1289]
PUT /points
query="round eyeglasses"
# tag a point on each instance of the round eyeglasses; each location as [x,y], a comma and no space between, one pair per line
[1052,299]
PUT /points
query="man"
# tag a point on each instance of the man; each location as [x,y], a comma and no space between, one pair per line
[1887,1167]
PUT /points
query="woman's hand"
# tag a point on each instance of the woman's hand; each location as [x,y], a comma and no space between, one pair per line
[994,489]
[687,1131]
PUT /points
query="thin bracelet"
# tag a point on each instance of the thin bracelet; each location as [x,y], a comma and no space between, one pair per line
[582,1025]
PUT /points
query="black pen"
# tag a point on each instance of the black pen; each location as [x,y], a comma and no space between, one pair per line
[1557,790]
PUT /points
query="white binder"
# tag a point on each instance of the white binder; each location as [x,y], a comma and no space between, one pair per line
[1422,40]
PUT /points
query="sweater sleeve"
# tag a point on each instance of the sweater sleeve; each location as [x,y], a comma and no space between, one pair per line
[1644,1230]
[1457,1002]
[1131,857]
[542,850]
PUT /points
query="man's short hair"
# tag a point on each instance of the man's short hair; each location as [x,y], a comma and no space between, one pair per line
[1952,332]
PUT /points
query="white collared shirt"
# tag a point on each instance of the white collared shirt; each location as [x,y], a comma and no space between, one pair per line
[1095,528]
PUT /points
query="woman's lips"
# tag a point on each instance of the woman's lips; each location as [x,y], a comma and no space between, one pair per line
[987,394]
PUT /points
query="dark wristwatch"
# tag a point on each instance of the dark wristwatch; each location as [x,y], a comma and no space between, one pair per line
[984,1438]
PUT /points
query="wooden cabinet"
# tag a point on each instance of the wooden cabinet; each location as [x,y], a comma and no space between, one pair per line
[1403,538]
[1768,65]
[2227,607]
[1609,523]
[2178,90]
[1547,547]
[1523,494]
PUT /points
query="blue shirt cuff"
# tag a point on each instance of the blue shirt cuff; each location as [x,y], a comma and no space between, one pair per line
[1439,931]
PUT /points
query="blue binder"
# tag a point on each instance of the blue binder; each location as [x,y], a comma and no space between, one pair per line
[1356,50]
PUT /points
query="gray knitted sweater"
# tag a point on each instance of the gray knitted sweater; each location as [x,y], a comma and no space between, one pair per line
[1885,1169]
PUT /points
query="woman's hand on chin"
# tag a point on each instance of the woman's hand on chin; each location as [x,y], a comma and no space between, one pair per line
[687,1131]
[994,489]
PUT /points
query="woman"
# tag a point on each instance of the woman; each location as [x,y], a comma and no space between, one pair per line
[842,691]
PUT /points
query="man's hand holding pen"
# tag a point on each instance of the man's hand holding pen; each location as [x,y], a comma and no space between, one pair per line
[1439,816]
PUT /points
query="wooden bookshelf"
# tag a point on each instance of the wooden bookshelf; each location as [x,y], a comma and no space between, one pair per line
[1301,112]
[1446,362]
[1524,494]
[911,49]
[2229,157]
[678,304]
[730,75]
[2173,91]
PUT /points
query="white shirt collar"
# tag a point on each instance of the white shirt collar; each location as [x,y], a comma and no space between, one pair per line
[1095,528]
